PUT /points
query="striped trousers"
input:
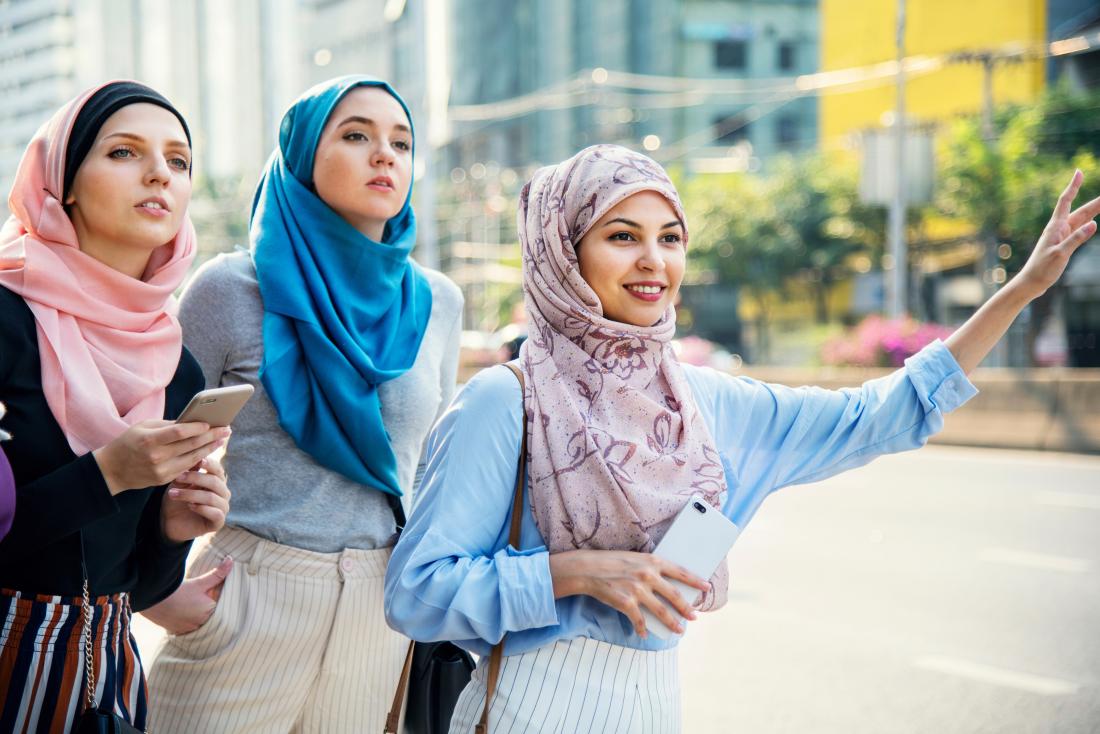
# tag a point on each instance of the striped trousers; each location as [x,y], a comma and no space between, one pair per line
[297,643]
[42,671]
[579,685]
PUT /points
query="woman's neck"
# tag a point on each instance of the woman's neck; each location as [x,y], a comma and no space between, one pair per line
[130,261]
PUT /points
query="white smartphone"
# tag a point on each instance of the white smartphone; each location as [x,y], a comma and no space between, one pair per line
[217,406]
[697,540]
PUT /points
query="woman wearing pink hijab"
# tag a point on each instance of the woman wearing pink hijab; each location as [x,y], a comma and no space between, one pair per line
[92,370]
[620,436]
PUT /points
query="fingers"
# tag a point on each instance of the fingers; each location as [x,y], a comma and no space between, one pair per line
[200,439]
[170,432]
[676,599]
[664,612]
[212,581]
[181,463]
[1085,212]
[1079,236]
[199,498]
[679,573]
[214,516]
[1061,210]
[202,480]
[212,465]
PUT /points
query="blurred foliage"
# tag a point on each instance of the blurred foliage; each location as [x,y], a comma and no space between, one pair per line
[1007,186]
[801,226]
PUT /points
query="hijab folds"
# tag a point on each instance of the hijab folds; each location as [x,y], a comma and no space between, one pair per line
[343,313]
[617,445]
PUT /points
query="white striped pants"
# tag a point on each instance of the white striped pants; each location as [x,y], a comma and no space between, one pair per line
[580,685]
[297,643]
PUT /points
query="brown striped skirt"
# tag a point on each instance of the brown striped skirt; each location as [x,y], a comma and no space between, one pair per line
[42,675]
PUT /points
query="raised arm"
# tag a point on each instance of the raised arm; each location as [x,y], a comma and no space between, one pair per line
[1065,232]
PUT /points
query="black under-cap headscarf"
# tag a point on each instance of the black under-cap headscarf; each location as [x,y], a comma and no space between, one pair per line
[100,106]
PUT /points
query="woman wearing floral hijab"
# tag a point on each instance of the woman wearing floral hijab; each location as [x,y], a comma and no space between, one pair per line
[619,436]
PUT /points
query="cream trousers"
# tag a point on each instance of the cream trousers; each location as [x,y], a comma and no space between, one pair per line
[297,643]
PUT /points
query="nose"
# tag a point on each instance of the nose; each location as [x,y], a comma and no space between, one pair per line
[651,258]
[158,171]
[382,155]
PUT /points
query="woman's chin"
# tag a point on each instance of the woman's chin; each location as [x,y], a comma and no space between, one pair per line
[642,318]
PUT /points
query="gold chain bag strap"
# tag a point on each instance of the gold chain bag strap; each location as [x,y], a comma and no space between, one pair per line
[498,649]
[92,720]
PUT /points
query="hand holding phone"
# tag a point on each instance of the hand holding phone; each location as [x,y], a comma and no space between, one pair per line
[698,539]
[217,407]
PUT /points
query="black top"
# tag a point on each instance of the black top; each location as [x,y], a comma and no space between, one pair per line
[59,494]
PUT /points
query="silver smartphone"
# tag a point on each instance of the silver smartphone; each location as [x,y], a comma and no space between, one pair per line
[217,406]
[697,540]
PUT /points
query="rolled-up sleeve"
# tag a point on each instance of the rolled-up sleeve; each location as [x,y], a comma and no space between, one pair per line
[452,575]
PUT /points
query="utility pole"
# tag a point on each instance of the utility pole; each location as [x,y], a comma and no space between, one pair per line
[898,299]
[989,265]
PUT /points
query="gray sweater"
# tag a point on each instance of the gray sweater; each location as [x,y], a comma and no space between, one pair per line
[279,491]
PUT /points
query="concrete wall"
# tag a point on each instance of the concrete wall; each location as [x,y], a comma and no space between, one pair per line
[1049,409]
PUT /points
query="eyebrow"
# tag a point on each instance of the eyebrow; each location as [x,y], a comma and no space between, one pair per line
[132,136]
[368,121]
[629,223]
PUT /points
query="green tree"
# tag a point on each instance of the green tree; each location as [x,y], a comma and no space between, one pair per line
[1007,186]
[818,209]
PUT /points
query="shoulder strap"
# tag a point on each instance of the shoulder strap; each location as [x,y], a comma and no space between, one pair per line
[513,539]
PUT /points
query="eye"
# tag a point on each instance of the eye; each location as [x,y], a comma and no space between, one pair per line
[121,153]
[672,238]
[403,145]
[355,136]
[622,237]
[179,163]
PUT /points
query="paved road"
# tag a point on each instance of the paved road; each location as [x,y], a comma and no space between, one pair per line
[943,591]
[947,591]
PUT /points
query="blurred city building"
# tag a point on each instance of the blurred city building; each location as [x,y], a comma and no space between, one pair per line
[990,53]
[536,80]
[703,86]
[498,87]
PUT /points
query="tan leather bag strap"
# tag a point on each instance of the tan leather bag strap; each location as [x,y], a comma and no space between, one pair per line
[394,716]
[513,540]
[482,727]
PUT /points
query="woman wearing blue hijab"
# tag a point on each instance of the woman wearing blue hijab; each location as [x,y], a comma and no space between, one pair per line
[352,348]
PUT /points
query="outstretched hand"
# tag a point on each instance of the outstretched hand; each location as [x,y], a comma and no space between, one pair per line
[1065,232]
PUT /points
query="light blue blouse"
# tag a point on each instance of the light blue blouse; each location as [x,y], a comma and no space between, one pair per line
[453,575]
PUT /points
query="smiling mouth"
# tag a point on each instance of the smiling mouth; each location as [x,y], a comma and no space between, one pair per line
[646,289]
[153,205]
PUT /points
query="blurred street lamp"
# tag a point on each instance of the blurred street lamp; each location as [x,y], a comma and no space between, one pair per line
[651,142]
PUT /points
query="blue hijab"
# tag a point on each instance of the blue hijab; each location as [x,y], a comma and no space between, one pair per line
[342,312]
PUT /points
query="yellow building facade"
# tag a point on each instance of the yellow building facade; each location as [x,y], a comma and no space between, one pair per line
[857,33]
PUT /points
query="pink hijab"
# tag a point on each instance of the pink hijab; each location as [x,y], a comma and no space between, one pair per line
[109,344]
[617,445]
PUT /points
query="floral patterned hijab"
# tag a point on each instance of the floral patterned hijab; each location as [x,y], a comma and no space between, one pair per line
[617,445]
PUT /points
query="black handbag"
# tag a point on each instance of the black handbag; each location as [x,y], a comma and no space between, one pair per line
[436,672]
[92,720]
[439,673]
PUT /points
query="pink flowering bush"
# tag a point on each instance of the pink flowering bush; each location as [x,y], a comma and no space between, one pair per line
[879,342]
